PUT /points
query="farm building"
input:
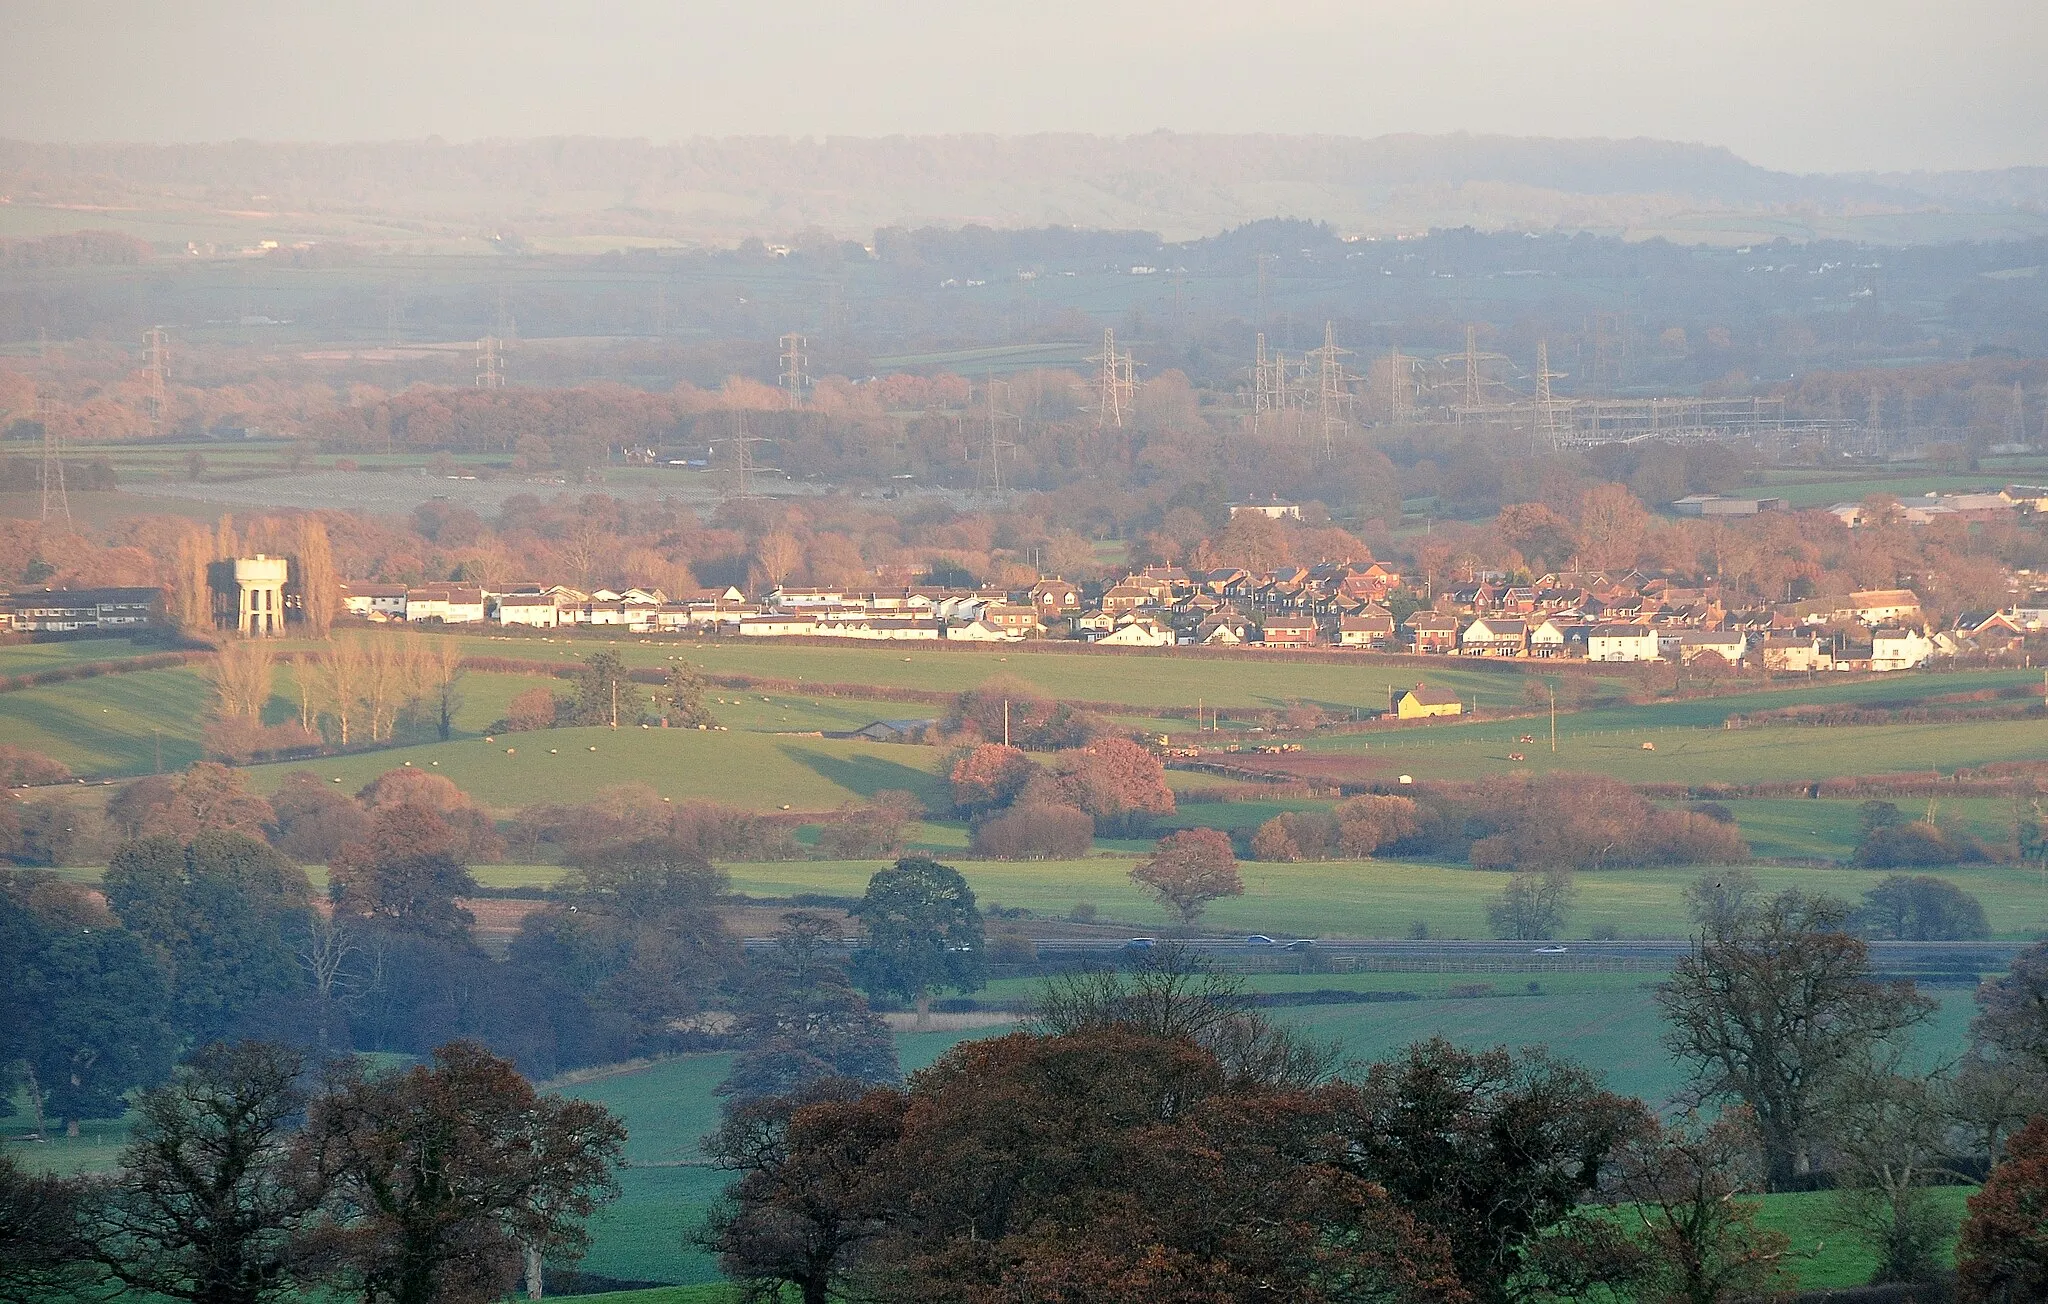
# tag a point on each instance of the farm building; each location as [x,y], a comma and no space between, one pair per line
[1423,702]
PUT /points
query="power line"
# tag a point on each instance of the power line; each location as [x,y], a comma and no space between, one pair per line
[1333,389]
[1264,290]
[1546,405]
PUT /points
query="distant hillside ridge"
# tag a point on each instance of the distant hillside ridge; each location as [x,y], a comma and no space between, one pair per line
[1182,185]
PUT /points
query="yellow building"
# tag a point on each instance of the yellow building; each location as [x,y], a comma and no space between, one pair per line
[1422,702]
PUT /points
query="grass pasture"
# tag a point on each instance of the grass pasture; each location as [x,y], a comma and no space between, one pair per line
[27,658]
[1783,753]
[755,771]
[1139,679]
[111,724]
[1379,898]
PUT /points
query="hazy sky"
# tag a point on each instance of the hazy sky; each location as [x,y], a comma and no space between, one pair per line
[1808,85]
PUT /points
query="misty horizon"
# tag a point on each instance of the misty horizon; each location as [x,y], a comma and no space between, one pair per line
[1823,88]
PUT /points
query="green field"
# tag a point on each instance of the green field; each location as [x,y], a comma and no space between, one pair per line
[1162,679]
[756,771]
[1378,898]
[1822,488]
[27,658]
[111,724]
[1781,753]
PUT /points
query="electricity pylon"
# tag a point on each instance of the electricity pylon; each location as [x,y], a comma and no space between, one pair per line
[795,380]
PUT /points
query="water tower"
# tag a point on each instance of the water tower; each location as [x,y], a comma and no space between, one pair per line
[259,587]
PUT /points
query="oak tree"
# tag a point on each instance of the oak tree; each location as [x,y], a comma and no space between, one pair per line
[1188,870]
[1773,1009]
[206,1206]
[923,933]
[444,1175]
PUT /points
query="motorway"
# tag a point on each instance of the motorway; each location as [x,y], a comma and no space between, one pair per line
[1452,956]
[1661,950]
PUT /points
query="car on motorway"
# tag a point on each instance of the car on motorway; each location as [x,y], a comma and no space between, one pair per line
[1550,950]
[1141,944]
[1260,939]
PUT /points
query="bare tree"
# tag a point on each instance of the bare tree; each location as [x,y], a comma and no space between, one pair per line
[242,677]
[439,677]
[1532,906]
[387,683]
[1888,1132]
[205,1208]
[1679,1184]
[339,678]
[1774,1010]
[1719,898]
[1174,993]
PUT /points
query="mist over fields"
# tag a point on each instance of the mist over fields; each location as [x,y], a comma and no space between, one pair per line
[583,194]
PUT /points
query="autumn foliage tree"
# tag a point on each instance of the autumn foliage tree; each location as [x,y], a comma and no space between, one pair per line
[444,1174]
[2002,1256]
[1098,1165]
[1188,870]
[405,875]
[987,776]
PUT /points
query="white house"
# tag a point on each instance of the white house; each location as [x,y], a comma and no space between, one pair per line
[374,601]
[1557,637]
[1494,636]
[1690,646]
[528,609]
[981,631]
[1622,643]
[451,604]
[1884,606]
[1797,652]
[777,626]
[1899,649]
[1139,633]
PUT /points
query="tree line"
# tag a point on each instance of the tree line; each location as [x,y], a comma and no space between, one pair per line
[253,1175]
[1149,1135]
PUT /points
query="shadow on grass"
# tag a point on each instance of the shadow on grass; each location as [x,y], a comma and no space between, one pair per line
[868,775]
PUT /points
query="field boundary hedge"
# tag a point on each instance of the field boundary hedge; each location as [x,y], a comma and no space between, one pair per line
[95,669]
